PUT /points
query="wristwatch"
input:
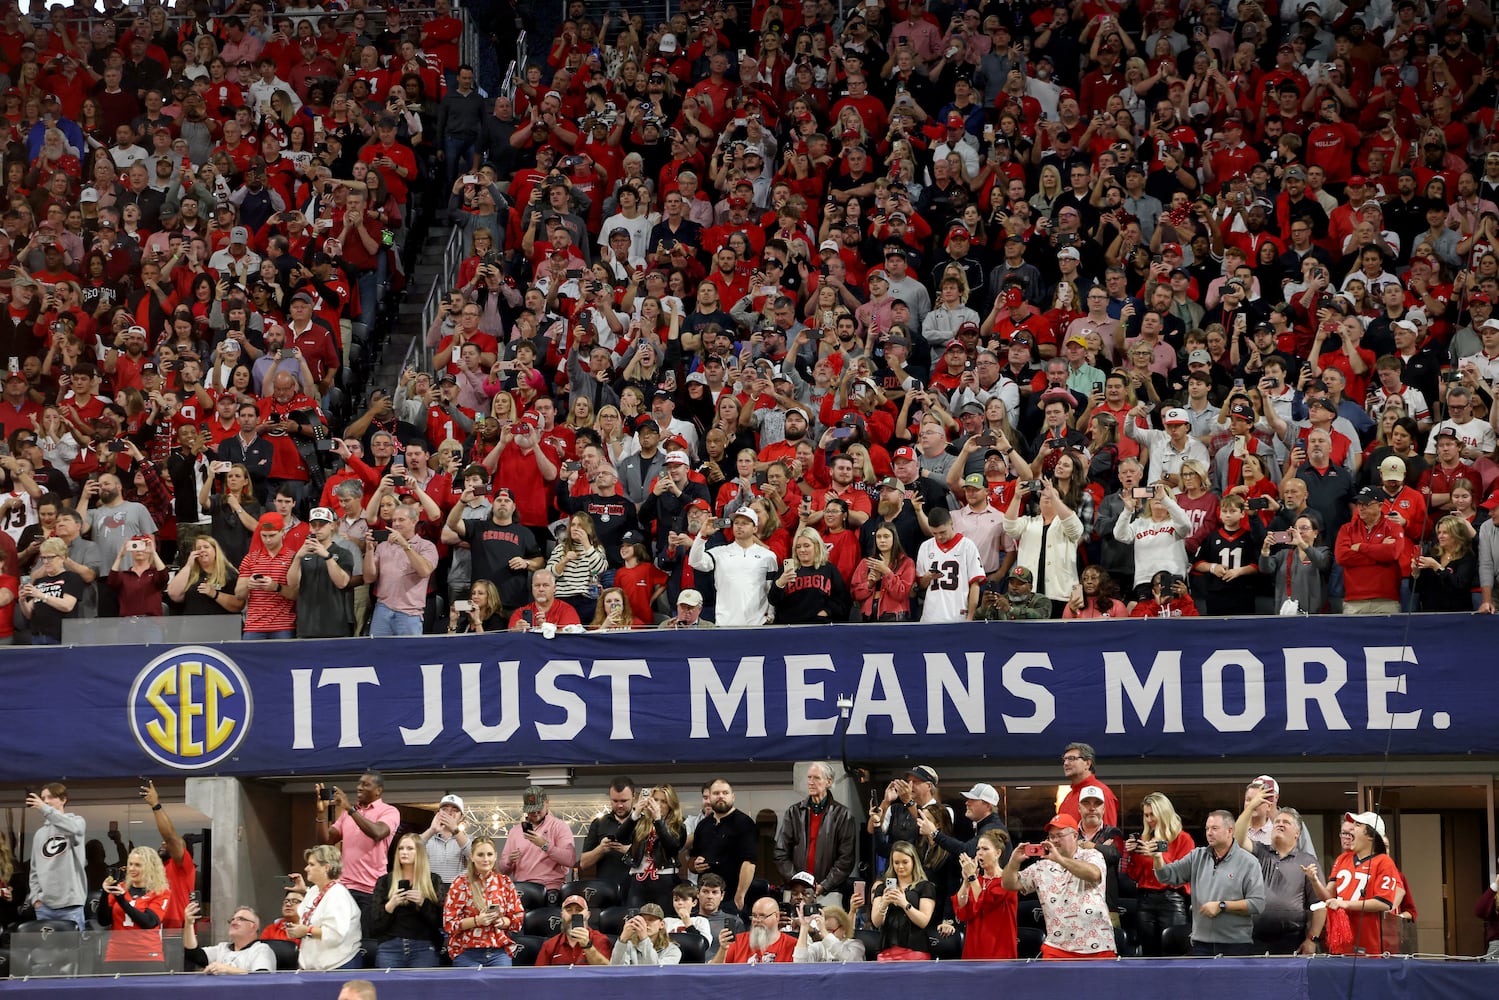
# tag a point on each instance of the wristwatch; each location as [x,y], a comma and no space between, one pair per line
[1222,906]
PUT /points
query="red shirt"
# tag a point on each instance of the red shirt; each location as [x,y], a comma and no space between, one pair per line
[398,154]
[989,925]
[559,951]
[560,614]
[268,611]
[128,941]
[517,470]
[1069,806]
[780,951]
[639,582]
[182,879]
[1375,877]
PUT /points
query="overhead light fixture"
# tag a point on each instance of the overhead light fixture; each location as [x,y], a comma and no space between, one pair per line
[551,776]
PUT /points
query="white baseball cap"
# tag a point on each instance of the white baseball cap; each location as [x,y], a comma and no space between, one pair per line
[983,793]
[451,800]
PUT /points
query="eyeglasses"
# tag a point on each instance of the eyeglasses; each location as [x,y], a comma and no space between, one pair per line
[237,919]
[1069,758]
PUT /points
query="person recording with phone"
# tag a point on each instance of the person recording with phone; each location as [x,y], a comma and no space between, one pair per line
[578,943]
[1160,906]
[1068,881]
[139,578]
[1301,564]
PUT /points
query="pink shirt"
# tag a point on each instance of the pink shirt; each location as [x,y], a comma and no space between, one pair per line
[364,860]
[400,586]
[549,867]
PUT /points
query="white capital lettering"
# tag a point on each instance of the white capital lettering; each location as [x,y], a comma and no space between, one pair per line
[1381,686]
[1164,685]
[879,668]
[1300,691]
[619,673]
[943,682]
[747,689]
[1254,691]
[1015,683]
[431,726]
[347,680]
[575,711]
[473,702]
[800,692]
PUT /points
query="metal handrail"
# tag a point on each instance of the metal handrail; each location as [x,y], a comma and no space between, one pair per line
[419,355]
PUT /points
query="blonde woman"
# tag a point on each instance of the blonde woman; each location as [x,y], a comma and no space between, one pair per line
[328,922]
[1445,577]
[133,911]
[1048,189]
[904,909]
[205,583]
[578,563]
[406,913]
[659,835]
[810,590]
[482,912]
[228,498]
[1161,906]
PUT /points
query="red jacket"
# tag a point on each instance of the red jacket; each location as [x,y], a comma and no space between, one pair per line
[1372,572]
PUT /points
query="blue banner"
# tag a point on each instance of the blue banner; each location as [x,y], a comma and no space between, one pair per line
[1272,687]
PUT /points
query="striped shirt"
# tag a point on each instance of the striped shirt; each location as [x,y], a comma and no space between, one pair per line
[268,611]
[446,858]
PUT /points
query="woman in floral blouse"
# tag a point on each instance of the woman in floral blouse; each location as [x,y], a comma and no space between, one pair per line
[482,912]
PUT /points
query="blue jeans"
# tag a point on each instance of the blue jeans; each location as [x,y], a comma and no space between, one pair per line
[283,633]
[70,913]
[458,156]
[369,297]
[44,640]
[405,953]
[385,622]
[482,958]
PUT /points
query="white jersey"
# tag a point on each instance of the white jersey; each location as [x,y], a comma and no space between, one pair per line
[956,565]
[20,512]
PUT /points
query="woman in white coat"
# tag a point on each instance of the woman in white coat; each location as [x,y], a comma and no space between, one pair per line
[328,920]
[1046,541]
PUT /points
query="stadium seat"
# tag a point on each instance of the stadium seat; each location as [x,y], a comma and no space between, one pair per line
[1176,940]
[694,947]
[527,946]
[286,954]
[1031,939]
[544,921]
[947,949]
[609,921]
[600,894]
[533,895]
[871,940]
[46,948]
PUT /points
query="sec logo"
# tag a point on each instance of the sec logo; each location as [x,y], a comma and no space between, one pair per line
[190,708]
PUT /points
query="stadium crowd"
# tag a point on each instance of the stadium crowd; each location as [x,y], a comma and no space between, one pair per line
[653,880]
[790,314]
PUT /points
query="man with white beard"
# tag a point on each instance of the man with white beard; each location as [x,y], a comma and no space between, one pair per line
[763,944]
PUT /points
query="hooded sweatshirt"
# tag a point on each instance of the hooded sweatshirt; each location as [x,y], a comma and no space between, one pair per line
[57,879]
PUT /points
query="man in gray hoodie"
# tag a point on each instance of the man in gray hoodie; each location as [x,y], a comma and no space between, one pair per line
[58,888]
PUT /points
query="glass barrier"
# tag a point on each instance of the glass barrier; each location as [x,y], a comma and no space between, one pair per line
[56,948]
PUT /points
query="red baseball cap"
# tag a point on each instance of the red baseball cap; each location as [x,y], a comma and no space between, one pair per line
[906,453]
[1062,820]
